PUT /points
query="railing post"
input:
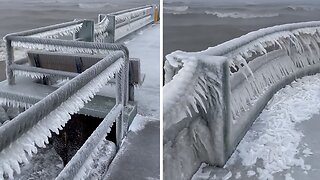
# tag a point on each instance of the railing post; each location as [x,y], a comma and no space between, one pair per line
[86,32]
[122,86]
[119,101]
[100,17]
[9,62]
[111,29]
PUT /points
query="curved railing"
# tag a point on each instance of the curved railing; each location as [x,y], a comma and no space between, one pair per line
[258,65]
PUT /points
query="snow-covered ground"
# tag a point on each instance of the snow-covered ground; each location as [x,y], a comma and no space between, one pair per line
[283,142]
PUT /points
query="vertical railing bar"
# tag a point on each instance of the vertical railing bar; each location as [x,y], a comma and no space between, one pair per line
[9,62]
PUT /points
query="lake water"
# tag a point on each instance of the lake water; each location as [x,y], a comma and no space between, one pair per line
[197,26]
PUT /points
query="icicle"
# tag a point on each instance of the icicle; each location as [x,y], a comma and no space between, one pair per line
[131,15]
[37,75]
[100,30]
[65,31]
[39,133]
[132,26]
[50,47]
[13,103]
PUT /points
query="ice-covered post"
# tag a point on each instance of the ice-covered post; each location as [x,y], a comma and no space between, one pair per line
[220,126]
[9,62]
[111,28]
[122,88]
[118,101]
[86,32]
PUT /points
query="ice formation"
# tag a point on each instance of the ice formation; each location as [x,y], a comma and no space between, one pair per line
[192,87]
[260,63]
[132,15]
[63,48]
[100,30]
[301,46]
[278,142]
[38,75]
[38,135]
[132,26]
[65,31]
[15,104]
[273,145]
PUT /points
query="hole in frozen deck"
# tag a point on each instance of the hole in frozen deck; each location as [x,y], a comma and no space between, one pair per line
[75,133]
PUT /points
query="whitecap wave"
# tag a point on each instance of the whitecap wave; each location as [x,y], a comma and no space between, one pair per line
[176,8]
[243,15]
[299,8]
[93,5]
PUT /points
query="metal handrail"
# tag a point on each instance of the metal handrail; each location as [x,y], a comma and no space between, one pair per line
[46,28]
[22,123]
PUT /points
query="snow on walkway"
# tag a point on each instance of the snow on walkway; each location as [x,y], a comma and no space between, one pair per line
[146,46]
[139,155]
[282,143]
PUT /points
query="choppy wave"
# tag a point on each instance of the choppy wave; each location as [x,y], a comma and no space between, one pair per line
[299,8]
[93,5]
[243,15]
[176,8]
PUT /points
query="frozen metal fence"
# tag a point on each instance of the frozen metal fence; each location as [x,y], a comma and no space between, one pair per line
[122,23]
[218,93]
[31,129]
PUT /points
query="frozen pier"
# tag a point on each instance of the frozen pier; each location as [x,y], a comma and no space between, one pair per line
[212,98]
[77,81]
[139,154]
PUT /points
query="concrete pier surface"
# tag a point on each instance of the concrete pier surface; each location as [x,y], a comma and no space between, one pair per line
[145,45]
[139,155]
[309,128]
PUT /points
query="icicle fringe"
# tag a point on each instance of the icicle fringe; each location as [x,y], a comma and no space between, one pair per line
[56,33]
[15,154]
[50,47]
[301,47]
[100,30]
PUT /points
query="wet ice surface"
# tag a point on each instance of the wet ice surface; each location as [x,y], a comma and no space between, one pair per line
[282,143]
[139,154]
[145,45]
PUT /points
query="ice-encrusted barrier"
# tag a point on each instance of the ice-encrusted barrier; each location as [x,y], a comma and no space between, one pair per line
[199,129]
[31,129]
[122,23]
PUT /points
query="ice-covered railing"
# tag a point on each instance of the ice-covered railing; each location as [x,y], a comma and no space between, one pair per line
[31,129]
[122,23]
[101,29]
[259,64]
